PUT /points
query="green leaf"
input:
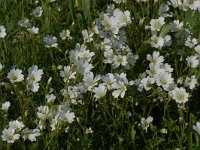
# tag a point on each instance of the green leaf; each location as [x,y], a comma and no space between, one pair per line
[133,133]
[165,29]
[71,8]
[86,8]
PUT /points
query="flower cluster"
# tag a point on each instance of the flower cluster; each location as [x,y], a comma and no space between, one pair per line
[100,72]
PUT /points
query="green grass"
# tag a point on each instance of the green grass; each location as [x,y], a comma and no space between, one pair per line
[108,117]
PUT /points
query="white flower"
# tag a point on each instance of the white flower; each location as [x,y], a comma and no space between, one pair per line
[83,67]
[132,59]
[9,135]
[197,49]
[168,40]
[43,112]
[1,66]
[109,56]
[119,1]
[156,24]
[5,106]
[154,70]
[192,61]
[164,79]
[145,122]
[2,32]
[163,9]
[194,5]
[121,77]
[197,127]
[67,74]
[50,41]
[146,83]
[175,3]
[100,91]
[157,41]
[69,116]
[87,36]
[30,134]
[33,30]
[24,23]
[122,17]
[155,58]
[109,79]
[89,130]
[37,12]
[17,125]
[34,133]
[177,25]
[51,1]
[110,24]
[120,89]
[32,86]
[50,98]
[166,67]
[191,42]
[191,82]
[90,80]
[65,34]
[86,55]
[15,75]
[34,73]
[120,60]
[180,95]
[163,131]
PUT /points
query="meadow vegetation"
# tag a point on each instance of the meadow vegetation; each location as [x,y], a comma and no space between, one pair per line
[99,74]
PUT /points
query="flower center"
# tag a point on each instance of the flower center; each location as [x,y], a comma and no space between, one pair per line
[14,77]
[181,97]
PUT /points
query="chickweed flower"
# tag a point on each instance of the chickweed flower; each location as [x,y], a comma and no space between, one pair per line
[163,131]
[120,60]
[180,95]
[109,79]
[89,130]
[164,79]
[119,1]
[43,112]
[100,91]
[156,24]
[69,116]
[2,32]
[32,86]
[87,36]
[33,30]
[37,12]
[30,134]
[50,41]
[50,98]
[17,125]
[90,80]
[120,89]
[15,75]
[34,73]
[1,66]
[145,122]
[155,58]
[192,61]
[9,135]
[157,41]
[197,127]
[191,82]
[67,73]
[24,23]
[65,34]
[5,106]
